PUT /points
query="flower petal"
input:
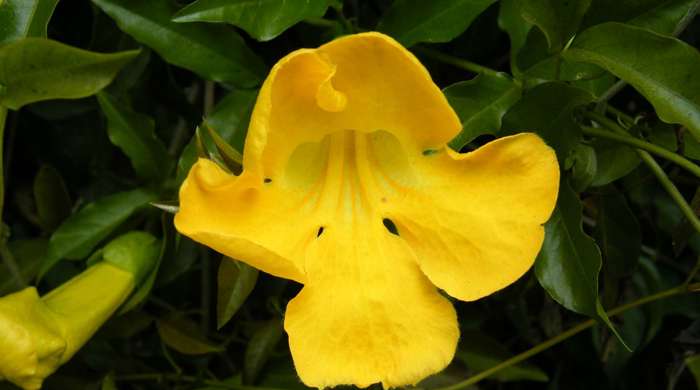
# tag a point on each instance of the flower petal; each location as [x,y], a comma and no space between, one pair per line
[475,220]
[363,82]
[369,315]
[239,217]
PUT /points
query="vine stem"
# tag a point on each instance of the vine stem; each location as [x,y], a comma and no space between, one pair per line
[655,169]
[457,62]
[640,144]
[665,181]
[682,289]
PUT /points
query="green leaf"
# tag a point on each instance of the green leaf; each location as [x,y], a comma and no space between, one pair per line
[411,21]
[213,51]
[661,16]
[82,231]
[547,109]
[231,115]
[35,69]
[235,281]
[481,352]
[28,254]
[535,63]
[511,21]
[262,19]
[668,78]
[559,20]
[187,158]
[230,156]
[614,161]
[259,349]
[24,18]
[134,134]
[693,364]
[480,104]
[569,262]
[584,167]
[618,233]
[183,336]
[53,203]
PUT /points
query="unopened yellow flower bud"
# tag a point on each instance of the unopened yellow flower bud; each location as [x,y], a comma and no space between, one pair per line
[37,335]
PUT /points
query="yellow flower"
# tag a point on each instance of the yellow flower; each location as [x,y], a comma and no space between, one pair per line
[348,187]
[37,335]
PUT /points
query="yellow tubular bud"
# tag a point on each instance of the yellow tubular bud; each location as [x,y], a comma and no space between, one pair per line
[37,335]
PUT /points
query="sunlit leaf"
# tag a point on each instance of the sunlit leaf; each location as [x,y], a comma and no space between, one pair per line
[82,231]
[668,78]
[213,51]
[262,19]
[35,69]
[24,18]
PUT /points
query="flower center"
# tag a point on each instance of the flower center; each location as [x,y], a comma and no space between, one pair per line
[349,175]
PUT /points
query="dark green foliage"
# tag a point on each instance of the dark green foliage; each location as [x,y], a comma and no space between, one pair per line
[100,100]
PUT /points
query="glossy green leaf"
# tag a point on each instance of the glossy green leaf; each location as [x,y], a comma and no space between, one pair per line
[259,349]
[24,18]
[82,231]
[183,336]
[480,352]
[661,16]
[262,19]
[53,203]
[547,109]
[213,51]
[569,261]
[134,134]
[617,233]
[559,20]
[411,21]
[614,161]
[668,78]
[230,117]
[187,158]
[35,69]
[235,281]
[480,104]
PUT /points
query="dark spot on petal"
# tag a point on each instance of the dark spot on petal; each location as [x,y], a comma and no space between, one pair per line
[429,152]
[390,226]
[267,180]
[320,231]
